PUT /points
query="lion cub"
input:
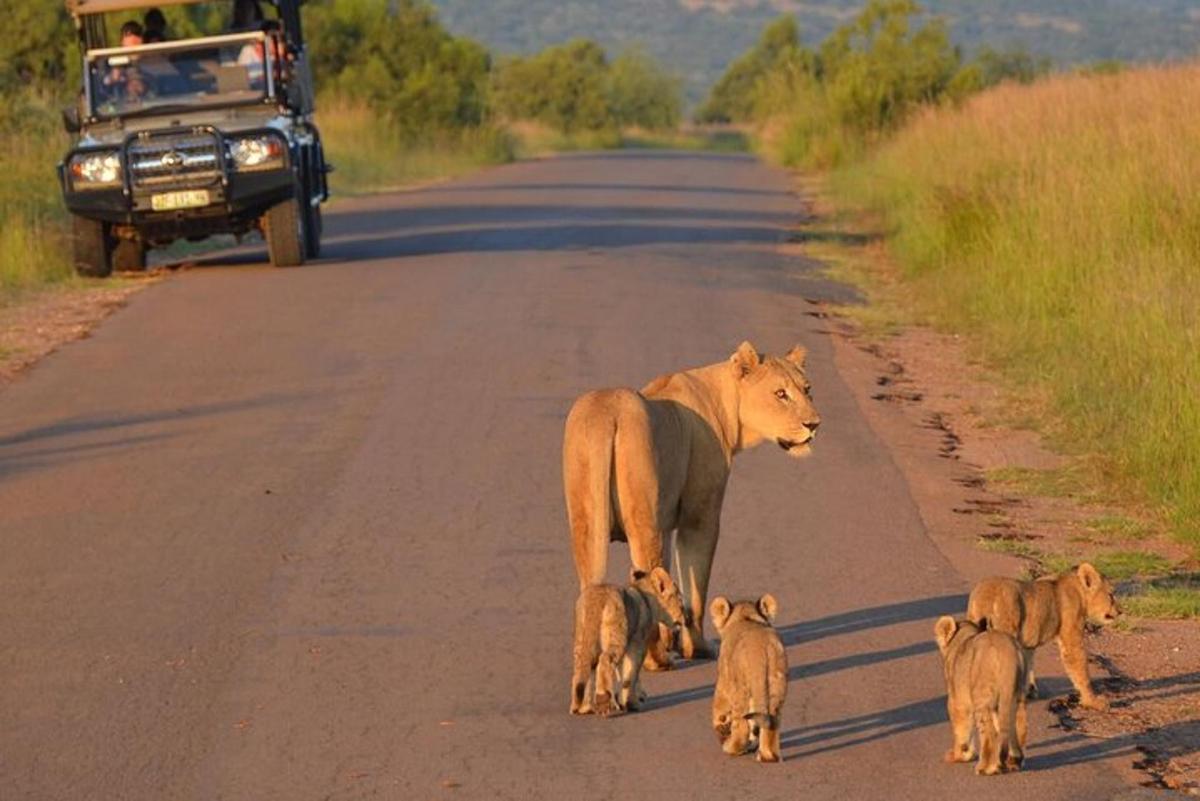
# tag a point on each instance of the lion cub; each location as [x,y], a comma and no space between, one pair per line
[752,676]
[614,627]
[985,682]
[1036,612]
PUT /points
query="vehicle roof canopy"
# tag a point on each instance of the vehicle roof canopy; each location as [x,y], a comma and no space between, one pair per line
[78,7]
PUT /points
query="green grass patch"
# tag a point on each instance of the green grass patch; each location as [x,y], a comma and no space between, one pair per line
[1114,527]
[1012,548]
[1172,598]
[711,140]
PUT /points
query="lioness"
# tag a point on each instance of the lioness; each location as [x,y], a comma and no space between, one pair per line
[638,465]
[1036,612]
[752,676]
[613,628]
[985,685]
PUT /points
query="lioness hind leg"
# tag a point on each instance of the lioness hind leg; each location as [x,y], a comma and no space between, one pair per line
[695,544]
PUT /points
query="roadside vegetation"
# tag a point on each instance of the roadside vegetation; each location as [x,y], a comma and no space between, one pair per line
[1051,219]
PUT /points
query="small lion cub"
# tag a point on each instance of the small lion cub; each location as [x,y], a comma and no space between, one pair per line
[614,627]
[1050,608]
[985,686]
[752,677]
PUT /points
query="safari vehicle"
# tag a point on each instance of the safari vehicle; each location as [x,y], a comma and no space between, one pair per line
[187,138]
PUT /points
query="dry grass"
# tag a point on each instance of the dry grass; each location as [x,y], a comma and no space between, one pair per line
[370,153]
[33,235]
[1059,223]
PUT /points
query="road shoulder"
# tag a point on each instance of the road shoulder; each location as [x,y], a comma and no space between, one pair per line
[949,425]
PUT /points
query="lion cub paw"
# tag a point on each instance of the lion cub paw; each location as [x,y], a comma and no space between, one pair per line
[604,705]
[965,754]
[1096,702]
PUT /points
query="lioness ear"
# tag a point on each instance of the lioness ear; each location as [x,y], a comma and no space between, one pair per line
[798,355]
[745,359]
[663,583]
[943,630]
[1088,575]
[719,610]
[768,606]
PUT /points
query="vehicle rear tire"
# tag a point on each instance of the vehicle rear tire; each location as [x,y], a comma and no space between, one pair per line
[92,247]
[129,255]
[283,227]
[312,233]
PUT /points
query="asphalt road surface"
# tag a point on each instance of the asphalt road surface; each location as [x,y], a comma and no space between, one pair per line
[299,534]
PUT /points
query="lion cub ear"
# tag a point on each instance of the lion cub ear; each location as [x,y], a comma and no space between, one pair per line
[767,607]
[1089,575]
[719,610]
[944,630]
[745,359]
[663,583]
[798,355]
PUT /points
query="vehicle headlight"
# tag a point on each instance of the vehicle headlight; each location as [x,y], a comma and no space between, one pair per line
[96,170]
[257,153]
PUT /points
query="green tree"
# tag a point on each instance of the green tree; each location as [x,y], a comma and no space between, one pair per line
[732,97]
[565,87]
[642,93]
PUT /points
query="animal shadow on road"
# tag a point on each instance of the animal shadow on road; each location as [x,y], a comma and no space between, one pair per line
[842,623]
[874,617]
[866,728]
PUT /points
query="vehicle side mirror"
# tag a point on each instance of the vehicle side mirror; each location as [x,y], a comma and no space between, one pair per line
[70,119]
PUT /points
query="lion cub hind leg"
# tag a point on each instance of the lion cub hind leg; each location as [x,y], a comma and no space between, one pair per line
[988,731]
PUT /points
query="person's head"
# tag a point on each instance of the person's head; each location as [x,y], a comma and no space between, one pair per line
[246,14]
[155,26]
[131,34]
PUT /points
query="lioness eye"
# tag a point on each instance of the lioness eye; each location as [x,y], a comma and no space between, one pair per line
[781,394]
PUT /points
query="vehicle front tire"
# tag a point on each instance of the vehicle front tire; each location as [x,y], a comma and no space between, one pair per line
[129,255]
[283,228]
[91,247]
[312,233]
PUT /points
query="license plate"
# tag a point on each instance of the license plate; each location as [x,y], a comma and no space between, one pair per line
[169,201]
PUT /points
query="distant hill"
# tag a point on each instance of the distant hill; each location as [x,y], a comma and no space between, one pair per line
[698,38]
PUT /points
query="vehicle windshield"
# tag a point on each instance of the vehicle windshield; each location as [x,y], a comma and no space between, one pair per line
[199,73]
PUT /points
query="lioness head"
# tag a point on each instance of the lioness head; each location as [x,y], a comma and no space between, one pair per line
[724,611]
[1098,599]
[775,399]
[658,583]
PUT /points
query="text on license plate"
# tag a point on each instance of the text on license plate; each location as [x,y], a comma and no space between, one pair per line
[168,201]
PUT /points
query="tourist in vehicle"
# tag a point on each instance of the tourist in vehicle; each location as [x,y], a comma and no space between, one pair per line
[154,25]
[127,78]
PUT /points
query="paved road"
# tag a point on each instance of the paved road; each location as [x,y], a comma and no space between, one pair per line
[298,534]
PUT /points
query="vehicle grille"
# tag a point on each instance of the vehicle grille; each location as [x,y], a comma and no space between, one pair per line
[174,160]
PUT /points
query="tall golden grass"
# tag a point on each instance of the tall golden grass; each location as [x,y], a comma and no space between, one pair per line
[371,153]
[1060,224]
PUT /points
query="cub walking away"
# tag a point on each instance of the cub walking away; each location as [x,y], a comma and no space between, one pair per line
[1055,607]
[614,627]
[752,677]
[985,686]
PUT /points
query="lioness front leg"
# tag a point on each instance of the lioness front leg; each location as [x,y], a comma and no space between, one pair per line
[694,548]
